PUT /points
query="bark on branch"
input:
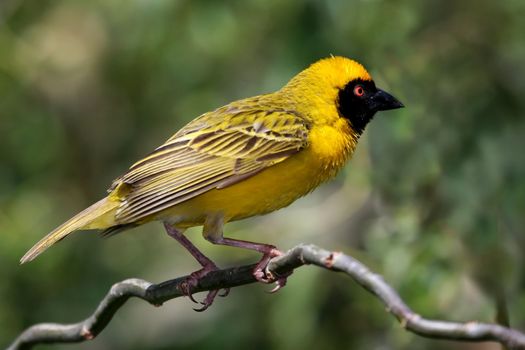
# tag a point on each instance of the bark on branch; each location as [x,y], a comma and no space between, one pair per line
[301,255]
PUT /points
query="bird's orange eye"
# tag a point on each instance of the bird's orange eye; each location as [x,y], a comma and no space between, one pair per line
[359,91]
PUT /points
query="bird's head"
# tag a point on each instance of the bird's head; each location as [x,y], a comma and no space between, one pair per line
[344,85]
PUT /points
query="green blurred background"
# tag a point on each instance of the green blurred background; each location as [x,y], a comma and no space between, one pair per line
[434,198]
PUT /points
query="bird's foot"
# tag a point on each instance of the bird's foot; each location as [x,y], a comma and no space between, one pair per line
[262,274]
[192,282]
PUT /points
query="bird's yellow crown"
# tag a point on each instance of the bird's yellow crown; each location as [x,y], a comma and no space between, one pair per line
[335,72]
[316,88]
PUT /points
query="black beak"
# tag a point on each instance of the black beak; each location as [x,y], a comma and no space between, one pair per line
[383,101]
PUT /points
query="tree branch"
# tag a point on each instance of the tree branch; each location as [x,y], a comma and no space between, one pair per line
[301,255]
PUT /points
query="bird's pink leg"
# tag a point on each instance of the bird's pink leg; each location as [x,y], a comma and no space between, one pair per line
[268,251]
[206,263]
[213,233]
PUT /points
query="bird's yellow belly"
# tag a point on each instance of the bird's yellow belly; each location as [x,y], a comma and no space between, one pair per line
[273,188]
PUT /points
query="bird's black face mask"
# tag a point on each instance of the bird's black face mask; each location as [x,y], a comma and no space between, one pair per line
[359,100]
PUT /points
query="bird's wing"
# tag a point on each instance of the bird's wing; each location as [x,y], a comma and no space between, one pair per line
[215,150]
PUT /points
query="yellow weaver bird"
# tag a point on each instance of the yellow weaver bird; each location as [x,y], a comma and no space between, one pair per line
[250,157]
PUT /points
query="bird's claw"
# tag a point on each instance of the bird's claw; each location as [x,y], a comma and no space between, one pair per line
[262,274]
[210,297]
[192,281]
[187,286]
[279,283]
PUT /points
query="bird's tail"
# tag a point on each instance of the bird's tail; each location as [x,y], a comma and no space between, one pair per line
[99,215]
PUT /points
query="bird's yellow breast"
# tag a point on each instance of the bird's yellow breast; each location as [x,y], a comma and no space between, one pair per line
[276,187]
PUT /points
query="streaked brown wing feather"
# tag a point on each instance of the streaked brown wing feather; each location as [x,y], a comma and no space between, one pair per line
[214,151]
